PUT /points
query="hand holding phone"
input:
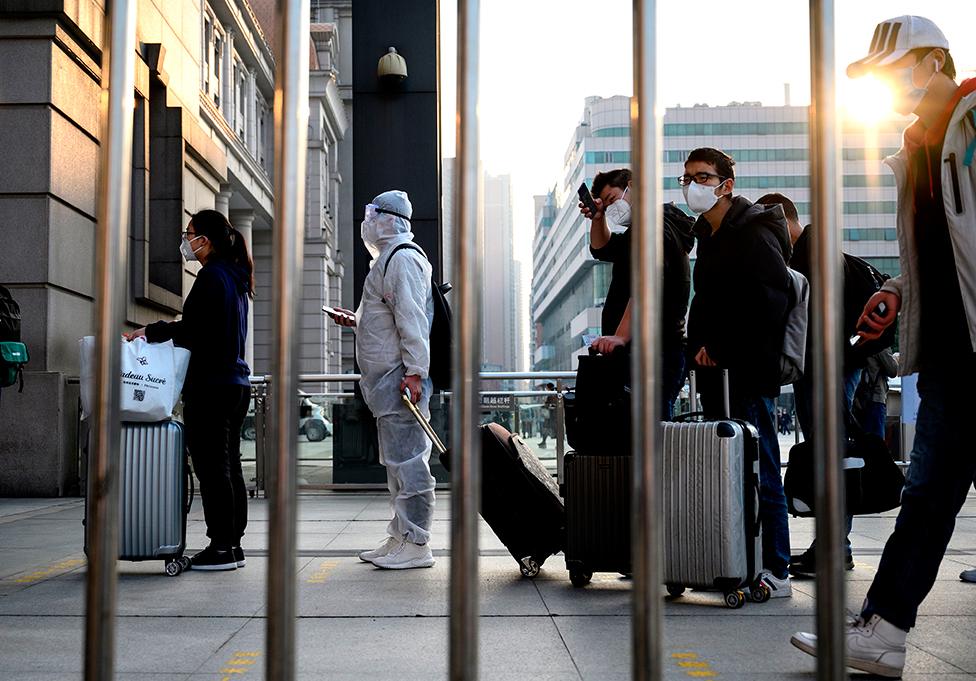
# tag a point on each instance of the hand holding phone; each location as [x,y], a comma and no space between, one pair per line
[340,316]
[587,200]
[881,309]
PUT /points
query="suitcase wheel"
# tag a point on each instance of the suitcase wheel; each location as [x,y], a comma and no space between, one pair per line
[174,568]
[675,590]
[580,578]
[529,567]
[759,593]
[735,599]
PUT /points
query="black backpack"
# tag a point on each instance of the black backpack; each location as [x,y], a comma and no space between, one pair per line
[13,353]
[861,281]
[441,339]
[9,317]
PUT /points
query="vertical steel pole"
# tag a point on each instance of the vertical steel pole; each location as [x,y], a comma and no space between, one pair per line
[646,284]
[465,440]
[111,253]
[291,136]
[825,182]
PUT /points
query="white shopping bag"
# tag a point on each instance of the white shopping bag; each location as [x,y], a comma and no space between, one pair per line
[152,377]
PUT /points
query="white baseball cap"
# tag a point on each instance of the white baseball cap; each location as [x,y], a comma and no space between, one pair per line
[894,38]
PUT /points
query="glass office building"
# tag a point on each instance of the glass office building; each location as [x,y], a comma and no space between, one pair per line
[770,145]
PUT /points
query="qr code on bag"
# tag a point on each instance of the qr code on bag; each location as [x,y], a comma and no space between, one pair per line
[139,395]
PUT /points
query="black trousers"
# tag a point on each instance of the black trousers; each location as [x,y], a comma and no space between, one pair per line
[212,419]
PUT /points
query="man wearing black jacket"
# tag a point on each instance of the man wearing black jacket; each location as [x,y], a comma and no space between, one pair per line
[804,564]
[737,322]
[610,242]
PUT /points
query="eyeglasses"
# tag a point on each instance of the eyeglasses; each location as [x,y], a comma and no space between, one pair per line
[700,178]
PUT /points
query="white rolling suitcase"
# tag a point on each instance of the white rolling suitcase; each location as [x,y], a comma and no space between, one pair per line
[711,528]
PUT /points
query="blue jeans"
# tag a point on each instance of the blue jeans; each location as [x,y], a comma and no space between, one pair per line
[943,466]
[674,367]
[761,412]
[803,394]
[873,418]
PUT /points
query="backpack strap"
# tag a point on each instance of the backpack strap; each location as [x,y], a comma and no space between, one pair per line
[407,244]
[971,149]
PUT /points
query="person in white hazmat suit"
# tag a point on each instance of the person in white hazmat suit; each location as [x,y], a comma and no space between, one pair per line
[393,350]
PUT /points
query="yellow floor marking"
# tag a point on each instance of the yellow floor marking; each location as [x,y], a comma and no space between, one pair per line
[322,572]
[53,569]
[691,665]
[241,663]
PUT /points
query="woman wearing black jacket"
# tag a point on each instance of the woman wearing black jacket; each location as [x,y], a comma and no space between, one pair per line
[217,391]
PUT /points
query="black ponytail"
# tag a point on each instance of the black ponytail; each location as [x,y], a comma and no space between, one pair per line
[227,242]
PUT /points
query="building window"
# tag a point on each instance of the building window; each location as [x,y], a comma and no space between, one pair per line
[207,38]
[240,83]
[218,47]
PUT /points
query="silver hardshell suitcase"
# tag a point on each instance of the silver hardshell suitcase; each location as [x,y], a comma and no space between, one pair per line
[154,496]
[711,501]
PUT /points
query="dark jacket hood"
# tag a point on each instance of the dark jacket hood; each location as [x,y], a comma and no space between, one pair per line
[746,214]
[681,227]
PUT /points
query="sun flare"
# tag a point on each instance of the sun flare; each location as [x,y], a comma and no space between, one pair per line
[866,100]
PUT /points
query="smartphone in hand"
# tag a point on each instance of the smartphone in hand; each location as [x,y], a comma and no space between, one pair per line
[881,310]
[337,313]
[587,199]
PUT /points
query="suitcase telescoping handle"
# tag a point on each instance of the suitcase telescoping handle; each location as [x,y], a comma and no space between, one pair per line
[424,423]
[693,393]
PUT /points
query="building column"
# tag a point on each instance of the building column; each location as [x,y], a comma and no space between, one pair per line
[243,222]
[227,79]
[222,200]
[252,113]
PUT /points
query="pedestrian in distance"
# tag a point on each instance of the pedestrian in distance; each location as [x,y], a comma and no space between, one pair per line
[217,391]
[737,322]
[934,300]
[392,326]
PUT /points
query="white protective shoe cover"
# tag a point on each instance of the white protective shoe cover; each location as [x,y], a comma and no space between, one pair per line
[388,545]
[406,555]
[875,646]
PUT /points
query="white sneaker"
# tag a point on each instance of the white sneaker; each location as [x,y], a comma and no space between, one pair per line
[388,545]
[406,555]
[875,646]
[968,575]
[778,588]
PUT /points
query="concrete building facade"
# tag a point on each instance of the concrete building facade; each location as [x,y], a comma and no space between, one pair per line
[202,139]
[771,148]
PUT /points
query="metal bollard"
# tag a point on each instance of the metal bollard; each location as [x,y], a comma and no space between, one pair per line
[111,260]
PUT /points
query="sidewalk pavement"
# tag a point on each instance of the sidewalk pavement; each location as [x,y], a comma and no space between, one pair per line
[358,622]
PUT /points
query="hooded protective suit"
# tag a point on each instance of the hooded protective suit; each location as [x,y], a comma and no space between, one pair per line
[393,340]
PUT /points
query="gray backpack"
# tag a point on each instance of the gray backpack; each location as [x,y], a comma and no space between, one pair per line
[793,358]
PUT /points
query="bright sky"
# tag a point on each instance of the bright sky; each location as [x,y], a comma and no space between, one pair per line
[541,58]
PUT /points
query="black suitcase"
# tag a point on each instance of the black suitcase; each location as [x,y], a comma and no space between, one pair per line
[597,515]
[519,499]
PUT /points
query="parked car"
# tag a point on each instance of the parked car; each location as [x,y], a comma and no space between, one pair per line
[312,422]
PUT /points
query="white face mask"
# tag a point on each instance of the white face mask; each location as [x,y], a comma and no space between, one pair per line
[618,212]
[701,198]
[907,97]
[368,231]
[187,250]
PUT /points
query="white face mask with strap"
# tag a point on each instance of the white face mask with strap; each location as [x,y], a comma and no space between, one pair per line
[701,198]
[618,212]
[907,97]
[187,249]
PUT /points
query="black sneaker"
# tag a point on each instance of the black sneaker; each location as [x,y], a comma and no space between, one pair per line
[239,556]
[212,558]
[805,565]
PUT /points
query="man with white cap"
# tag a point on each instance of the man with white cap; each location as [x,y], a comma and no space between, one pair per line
[935,173]
[393,350]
